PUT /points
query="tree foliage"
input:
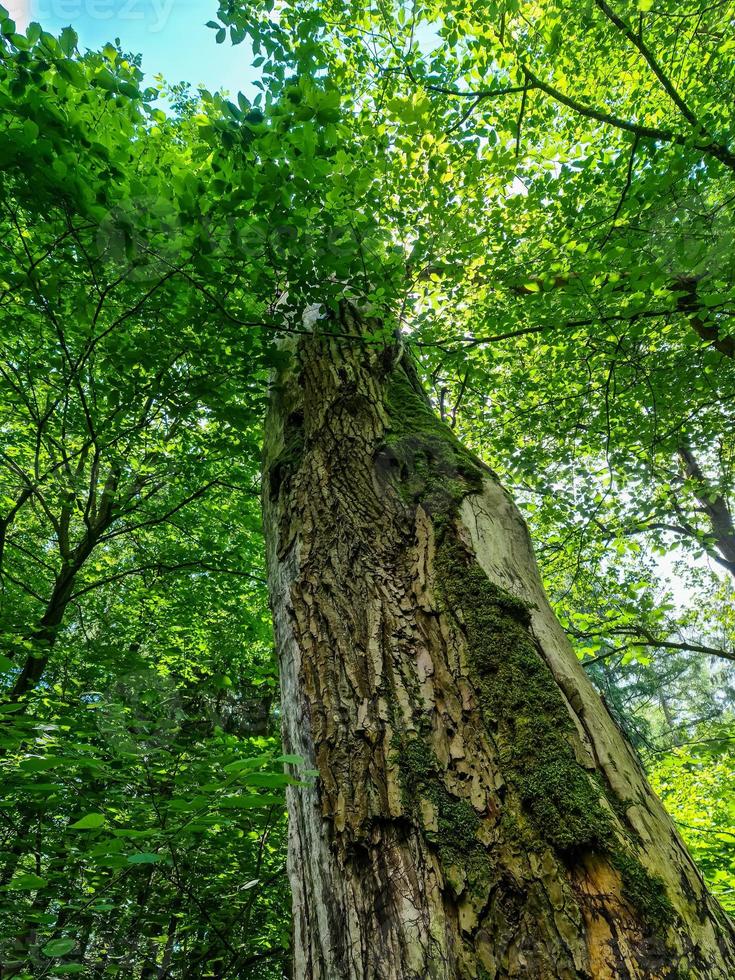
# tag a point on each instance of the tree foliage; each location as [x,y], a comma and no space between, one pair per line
[540,198]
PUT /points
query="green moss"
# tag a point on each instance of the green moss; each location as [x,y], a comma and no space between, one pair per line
[563,805]
[522,703]
[645,891]
[467,865]
[520,698]
[431,465]
[420,775]
[560,801]
[458,824]
[417,765]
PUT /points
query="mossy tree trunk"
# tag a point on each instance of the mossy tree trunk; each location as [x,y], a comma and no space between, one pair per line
[477,813]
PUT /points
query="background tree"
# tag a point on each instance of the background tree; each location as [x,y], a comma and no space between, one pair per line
[143,812]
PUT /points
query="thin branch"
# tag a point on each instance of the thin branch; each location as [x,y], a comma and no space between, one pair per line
[637,41]
[624,193]
[722,153]
[521,114]
[162,568]
[640,637]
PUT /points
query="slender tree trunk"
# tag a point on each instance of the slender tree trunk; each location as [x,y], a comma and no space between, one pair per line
[714,506]
[477,812]
[16,849]
[165,967]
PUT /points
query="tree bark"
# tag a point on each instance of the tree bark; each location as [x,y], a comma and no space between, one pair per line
[714,506]
[477,813]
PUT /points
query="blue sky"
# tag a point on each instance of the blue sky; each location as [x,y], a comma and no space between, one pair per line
[170,34]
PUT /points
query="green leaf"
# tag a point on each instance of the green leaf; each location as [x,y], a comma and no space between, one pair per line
[30,131]
[68,39]
[267,779]
[27,882]
[145,857]
[58,947]
[36,764]
[92,821]
[244,765]
[250,801]
[73,73]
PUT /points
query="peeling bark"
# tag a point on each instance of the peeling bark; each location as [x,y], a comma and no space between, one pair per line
[477,813]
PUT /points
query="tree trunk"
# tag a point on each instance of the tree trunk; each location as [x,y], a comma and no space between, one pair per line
[714,506]
[477,813]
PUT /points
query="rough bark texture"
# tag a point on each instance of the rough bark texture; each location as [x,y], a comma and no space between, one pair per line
[477,812]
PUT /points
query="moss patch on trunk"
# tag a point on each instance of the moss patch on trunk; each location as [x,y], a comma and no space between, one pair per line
[430,466]
[466,863]
[562,804]
[523,706]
